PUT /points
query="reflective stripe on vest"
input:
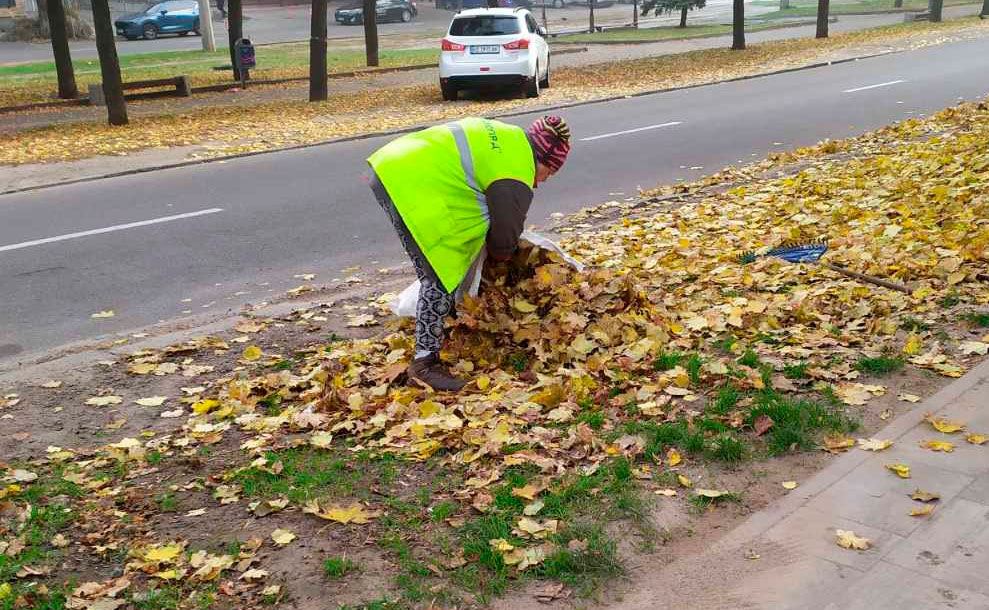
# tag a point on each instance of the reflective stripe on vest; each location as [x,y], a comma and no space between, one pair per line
[437,177]
[467,163]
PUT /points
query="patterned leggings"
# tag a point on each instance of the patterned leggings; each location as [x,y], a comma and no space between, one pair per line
[434,303]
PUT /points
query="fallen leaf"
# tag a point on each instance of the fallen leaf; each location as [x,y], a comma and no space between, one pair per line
[925,496]
[24,476]
[847,539]
[901,470]
[684,481]
[254,574]
[103,314]
[874,444]
[712,493]
[976,439]
[355,513]
[282,536]
[789,484]
[673,457]
[943,425]
[933,445]
[361,320]
[665,492]
[838,444]
[762,424]
[903,396]
[52,384]
[922,511]
[151,401]
[533,508]
[251,353]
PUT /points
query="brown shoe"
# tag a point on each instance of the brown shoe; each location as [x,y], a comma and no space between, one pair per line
[430,371]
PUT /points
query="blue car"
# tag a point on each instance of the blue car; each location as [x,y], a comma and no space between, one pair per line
[171,17]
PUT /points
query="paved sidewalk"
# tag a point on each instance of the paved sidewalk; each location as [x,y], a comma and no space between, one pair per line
[916,563]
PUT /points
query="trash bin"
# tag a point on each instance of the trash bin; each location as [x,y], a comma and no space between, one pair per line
[244,56]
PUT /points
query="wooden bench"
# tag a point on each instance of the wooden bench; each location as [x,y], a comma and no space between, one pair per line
[175,85]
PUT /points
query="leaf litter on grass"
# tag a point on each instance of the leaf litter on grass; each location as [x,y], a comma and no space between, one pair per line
[578,367]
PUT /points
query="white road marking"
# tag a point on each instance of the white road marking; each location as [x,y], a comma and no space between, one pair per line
[628,131]
[867,87]
[129,225]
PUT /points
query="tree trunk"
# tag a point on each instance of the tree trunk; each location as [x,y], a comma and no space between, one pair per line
[683,17]
[897,3]
[823,10]
[60,47]
[116,107]
[371,31]
[317,53]
[590,6]
[935,10]
[235,31]
[784,4]
[738,25]
[206,26]
[635,13]
[985,9]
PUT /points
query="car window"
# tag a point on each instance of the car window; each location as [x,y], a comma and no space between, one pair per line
[531,22]
[155,8]
[177,7]
[484,25]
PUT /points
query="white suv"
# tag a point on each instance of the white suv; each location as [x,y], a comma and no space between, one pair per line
[491,47]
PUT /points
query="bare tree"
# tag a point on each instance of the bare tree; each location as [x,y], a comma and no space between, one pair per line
[823,10]
[317,53]
[116,107]
[738,25]
[935,9]
[370,17]
[235,30]
[67,88]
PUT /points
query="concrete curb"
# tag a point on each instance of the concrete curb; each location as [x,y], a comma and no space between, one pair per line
[761,522]
[411,128]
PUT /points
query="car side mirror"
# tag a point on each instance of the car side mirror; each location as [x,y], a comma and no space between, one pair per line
[163,11]
[541,31]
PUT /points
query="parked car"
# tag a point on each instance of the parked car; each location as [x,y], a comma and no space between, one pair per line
[491,48]
[387,10]
[596,3]
[171,17]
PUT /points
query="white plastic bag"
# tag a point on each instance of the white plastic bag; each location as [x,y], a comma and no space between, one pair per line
[404,305]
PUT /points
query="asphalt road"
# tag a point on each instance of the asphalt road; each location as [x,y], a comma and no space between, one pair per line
[307,211]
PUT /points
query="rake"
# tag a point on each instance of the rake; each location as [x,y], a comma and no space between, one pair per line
[811,252]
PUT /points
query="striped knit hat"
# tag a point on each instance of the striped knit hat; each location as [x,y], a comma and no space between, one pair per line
[550,139]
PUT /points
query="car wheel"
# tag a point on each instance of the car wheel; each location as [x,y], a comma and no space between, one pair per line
[406,16]
[532,84]
[195,28]
[186,33]
[150,32]
[544,83]
[449,91]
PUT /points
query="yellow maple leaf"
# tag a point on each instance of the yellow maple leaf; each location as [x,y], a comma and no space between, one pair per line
[943,425]
[977,439]
[673,457]
[944,446]
[913,344]
[874,444]
[355,513]
[282,536]
[165,553]
[922,511]
[252,353]
[847,539]
[901,470]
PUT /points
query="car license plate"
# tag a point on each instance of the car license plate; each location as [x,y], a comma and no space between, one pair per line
[484,49]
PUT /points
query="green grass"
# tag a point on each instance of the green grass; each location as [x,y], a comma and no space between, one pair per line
[726,400]
[911,324]
[796,371]
[667,360]
[728,449]
[699,503]
[338,567]
[167,503]
[881,365]
[796,423]
[660,437]
[950,300]
[749,359]
[165,597]
[444,510]
[314,473]
[802,8]
[977,318]
[43,521]
[582,568]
